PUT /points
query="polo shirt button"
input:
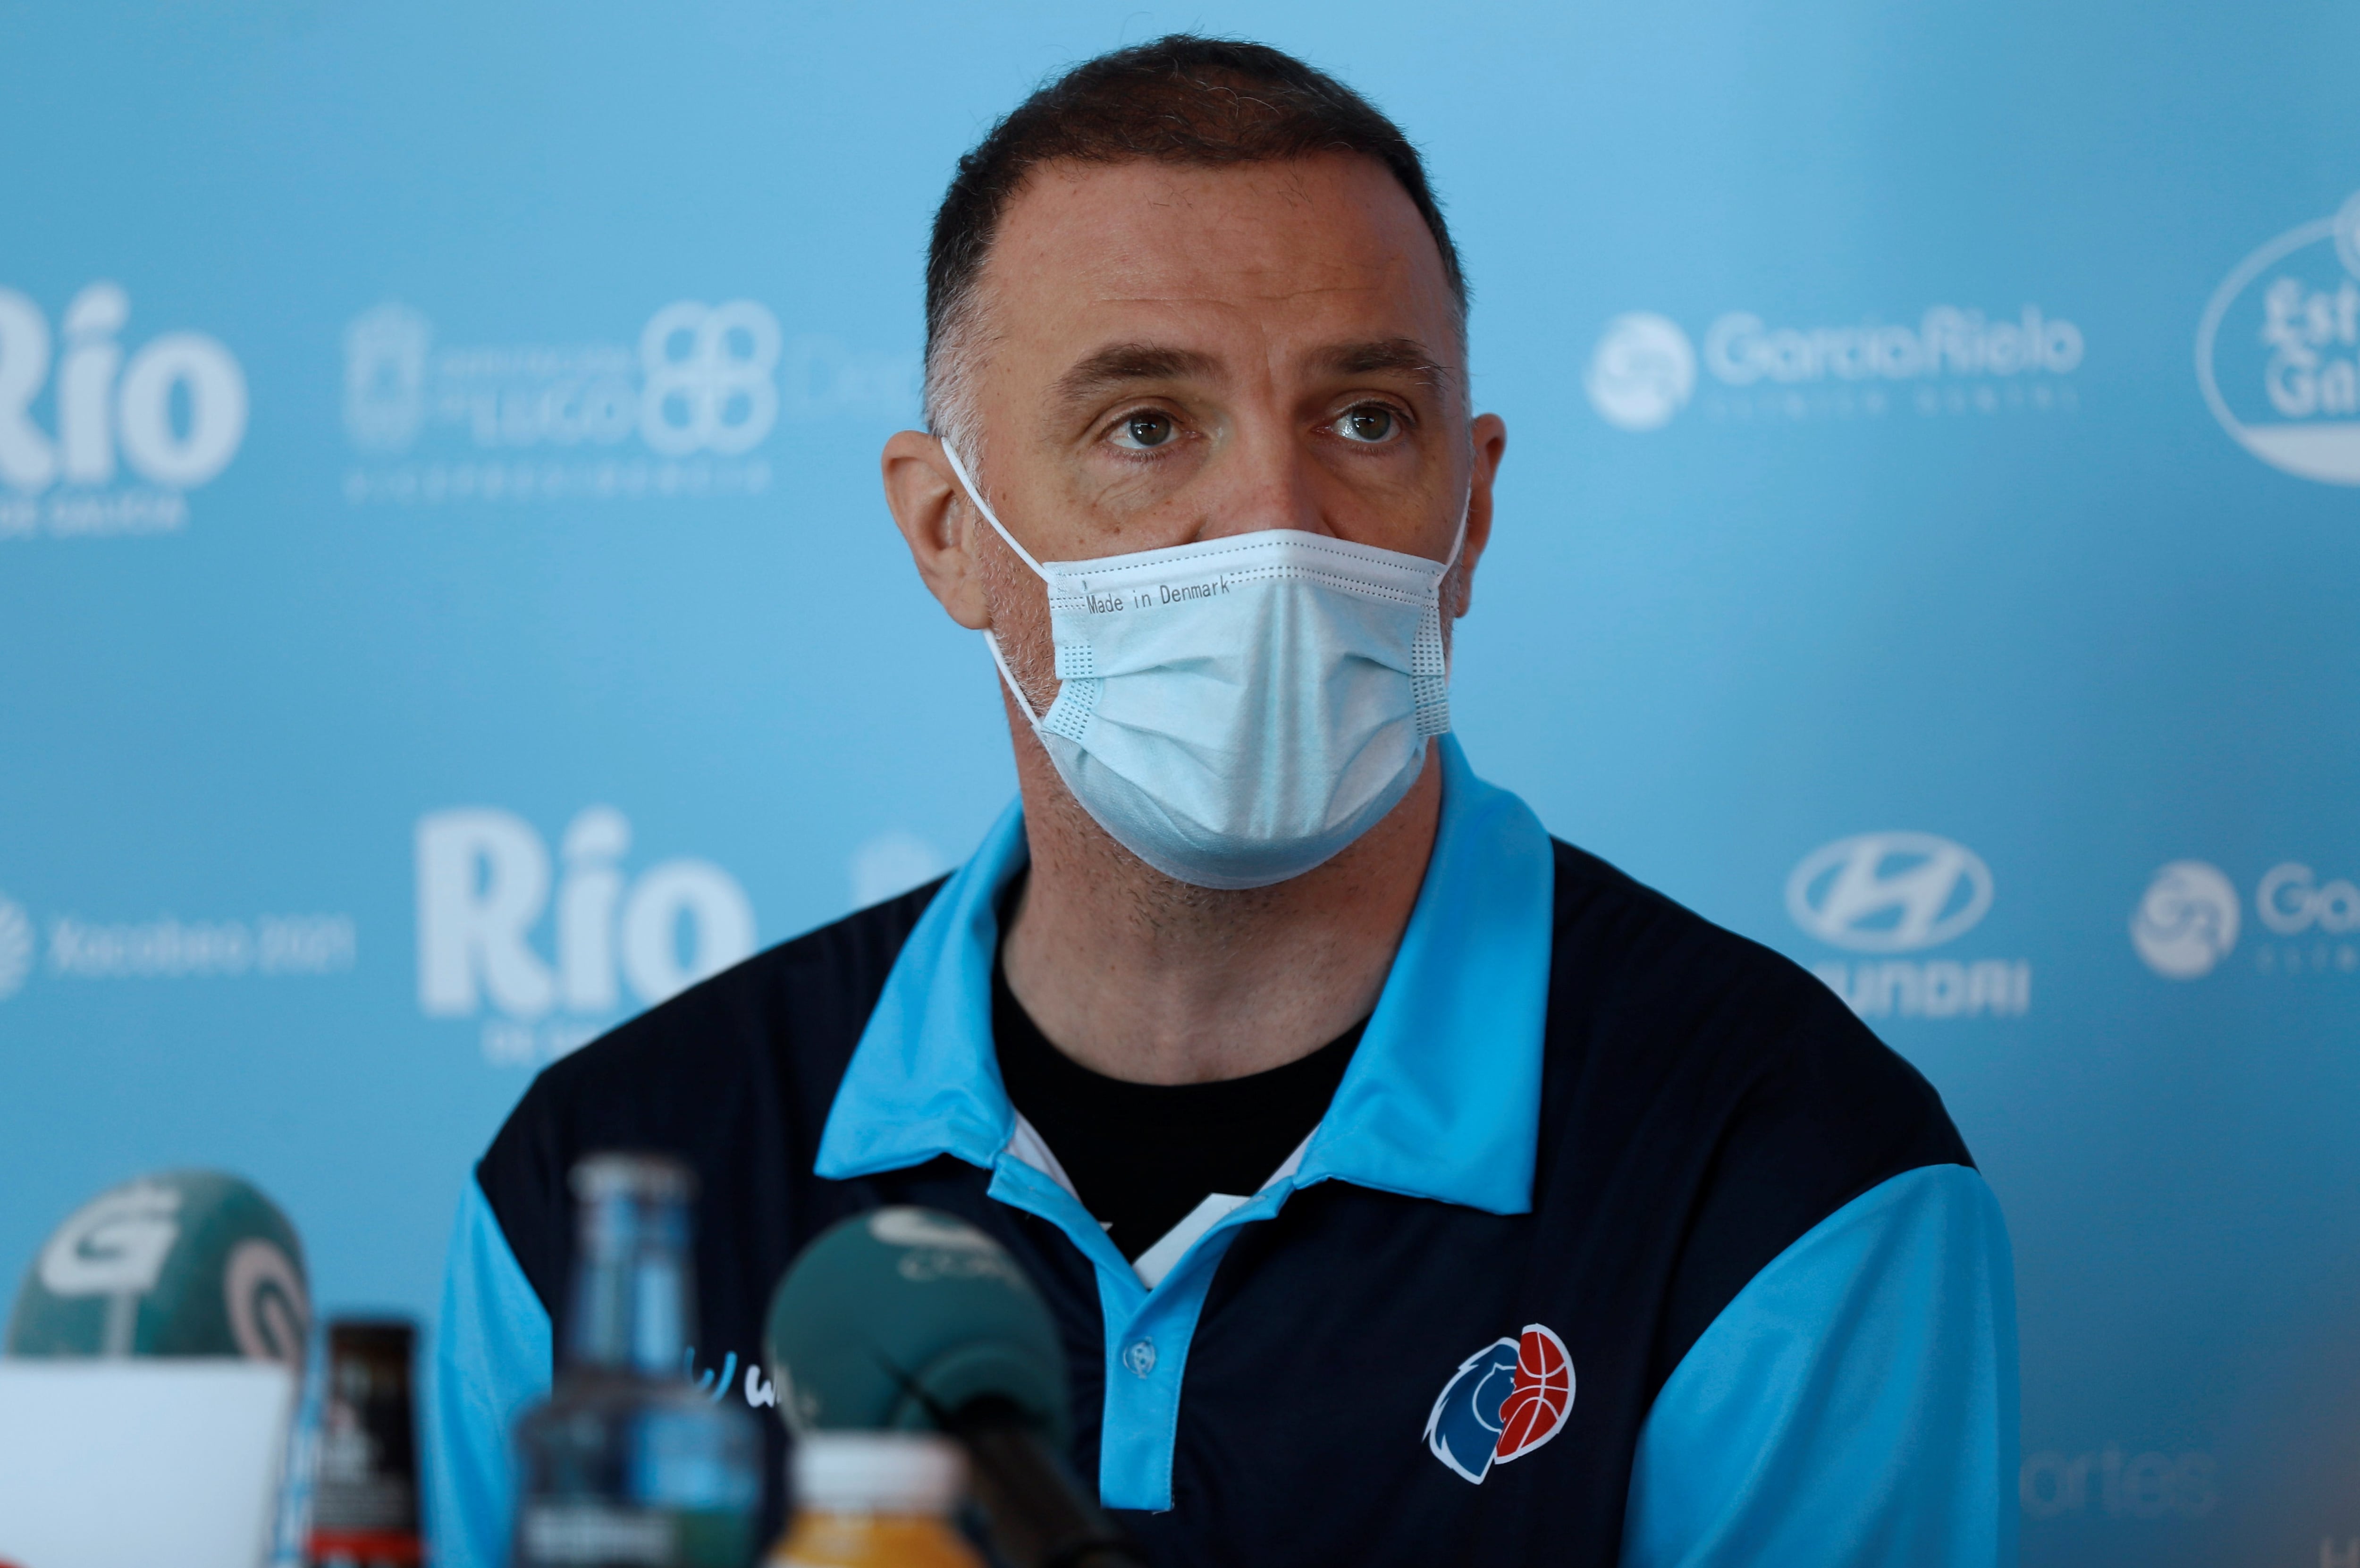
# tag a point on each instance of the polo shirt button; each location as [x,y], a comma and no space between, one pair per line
[1140,1357]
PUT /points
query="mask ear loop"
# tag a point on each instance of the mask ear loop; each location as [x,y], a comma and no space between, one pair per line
[1458,543]
[1023,706]
[975,493]
[1459,540]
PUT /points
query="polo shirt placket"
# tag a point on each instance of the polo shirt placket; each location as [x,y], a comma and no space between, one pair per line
[1442,1100]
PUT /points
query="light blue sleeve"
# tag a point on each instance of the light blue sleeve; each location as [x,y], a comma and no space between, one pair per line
[1854,1406]
[491,1359]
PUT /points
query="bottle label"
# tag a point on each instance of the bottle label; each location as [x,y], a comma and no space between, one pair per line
[578,1534]
[694,1458]
[328,1546]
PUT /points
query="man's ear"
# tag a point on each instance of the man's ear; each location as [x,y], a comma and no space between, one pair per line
[1488,436]
[926,500]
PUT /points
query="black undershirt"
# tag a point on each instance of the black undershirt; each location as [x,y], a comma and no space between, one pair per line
[1142,1155]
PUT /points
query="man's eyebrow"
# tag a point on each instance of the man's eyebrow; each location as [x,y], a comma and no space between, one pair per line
[1378,354]
[1120,364]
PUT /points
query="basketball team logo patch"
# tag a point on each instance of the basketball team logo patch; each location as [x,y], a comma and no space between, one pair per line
[1504,1401]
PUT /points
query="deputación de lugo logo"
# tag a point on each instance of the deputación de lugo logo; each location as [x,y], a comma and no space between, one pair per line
[682,411]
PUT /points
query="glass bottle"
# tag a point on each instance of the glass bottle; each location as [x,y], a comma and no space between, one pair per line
[875,1501]
[364,1489]
[628,1464]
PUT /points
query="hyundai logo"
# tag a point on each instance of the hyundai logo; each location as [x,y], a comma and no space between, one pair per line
[1889,892]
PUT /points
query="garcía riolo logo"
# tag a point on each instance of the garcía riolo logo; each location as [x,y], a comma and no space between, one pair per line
[2278,354]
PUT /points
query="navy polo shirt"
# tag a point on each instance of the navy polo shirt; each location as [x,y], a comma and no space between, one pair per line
[1622,1241]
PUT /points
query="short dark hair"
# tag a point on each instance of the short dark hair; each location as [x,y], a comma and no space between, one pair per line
[1181,99]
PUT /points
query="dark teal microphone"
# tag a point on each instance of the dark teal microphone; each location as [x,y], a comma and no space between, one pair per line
[910,1319]
[181,1263]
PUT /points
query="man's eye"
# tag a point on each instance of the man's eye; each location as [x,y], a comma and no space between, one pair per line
[1143,430]
[1370,423]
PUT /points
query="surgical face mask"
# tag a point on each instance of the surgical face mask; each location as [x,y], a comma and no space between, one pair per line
[1238,710]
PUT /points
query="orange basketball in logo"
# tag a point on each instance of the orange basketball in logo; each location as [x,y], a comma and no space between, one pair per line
[1542,1398]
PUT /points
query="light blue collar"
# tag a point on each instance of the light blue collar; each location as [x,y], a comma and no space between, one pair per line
[1442,1098]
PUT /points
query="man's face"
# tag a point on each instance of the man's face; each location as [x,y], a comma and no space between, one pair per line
[1170,353]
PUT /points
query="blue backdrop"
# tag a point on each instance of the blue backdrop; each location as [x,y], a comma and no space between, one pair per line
[445,602]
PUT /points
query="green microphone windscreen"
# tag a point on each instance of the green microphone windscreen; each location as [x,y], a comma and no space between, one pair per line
[191,1263]
[891,1317]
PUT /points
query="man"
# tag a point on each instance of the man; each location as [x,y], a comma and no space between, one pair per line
[1408,1187]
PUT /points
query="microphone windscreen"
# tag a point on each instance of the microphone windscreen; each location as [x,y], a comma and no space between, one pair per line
[892,1318]
[181,1263]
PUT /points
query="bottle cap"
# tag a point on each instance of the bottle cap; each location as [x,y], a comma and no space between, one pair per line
[877,1472]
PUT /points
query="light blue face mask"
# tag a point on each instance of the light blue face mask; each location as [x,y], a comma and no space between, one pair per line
[1238,710]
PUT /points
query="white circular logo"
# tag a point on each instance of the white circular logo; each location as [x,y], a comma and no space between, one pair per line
[2187,921]
[1889,892]
[2278,352]
[15,948]
[1642,371]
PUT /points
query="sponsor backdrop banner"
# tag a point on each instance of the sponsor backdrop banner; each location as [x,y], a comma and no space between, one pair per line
[447,606]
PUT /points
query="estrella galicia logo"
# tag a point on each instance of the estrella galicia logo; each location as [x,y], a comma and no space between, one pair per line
[1504,1401]
[1889,892]
[2278,352]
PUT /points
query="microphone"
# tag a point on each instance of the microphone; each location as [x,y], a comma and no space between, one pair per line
[910,1319]
[181,1263]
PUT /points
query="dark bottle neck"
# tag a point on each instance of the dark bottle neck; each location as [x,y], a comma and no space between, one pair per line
[632,1289]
